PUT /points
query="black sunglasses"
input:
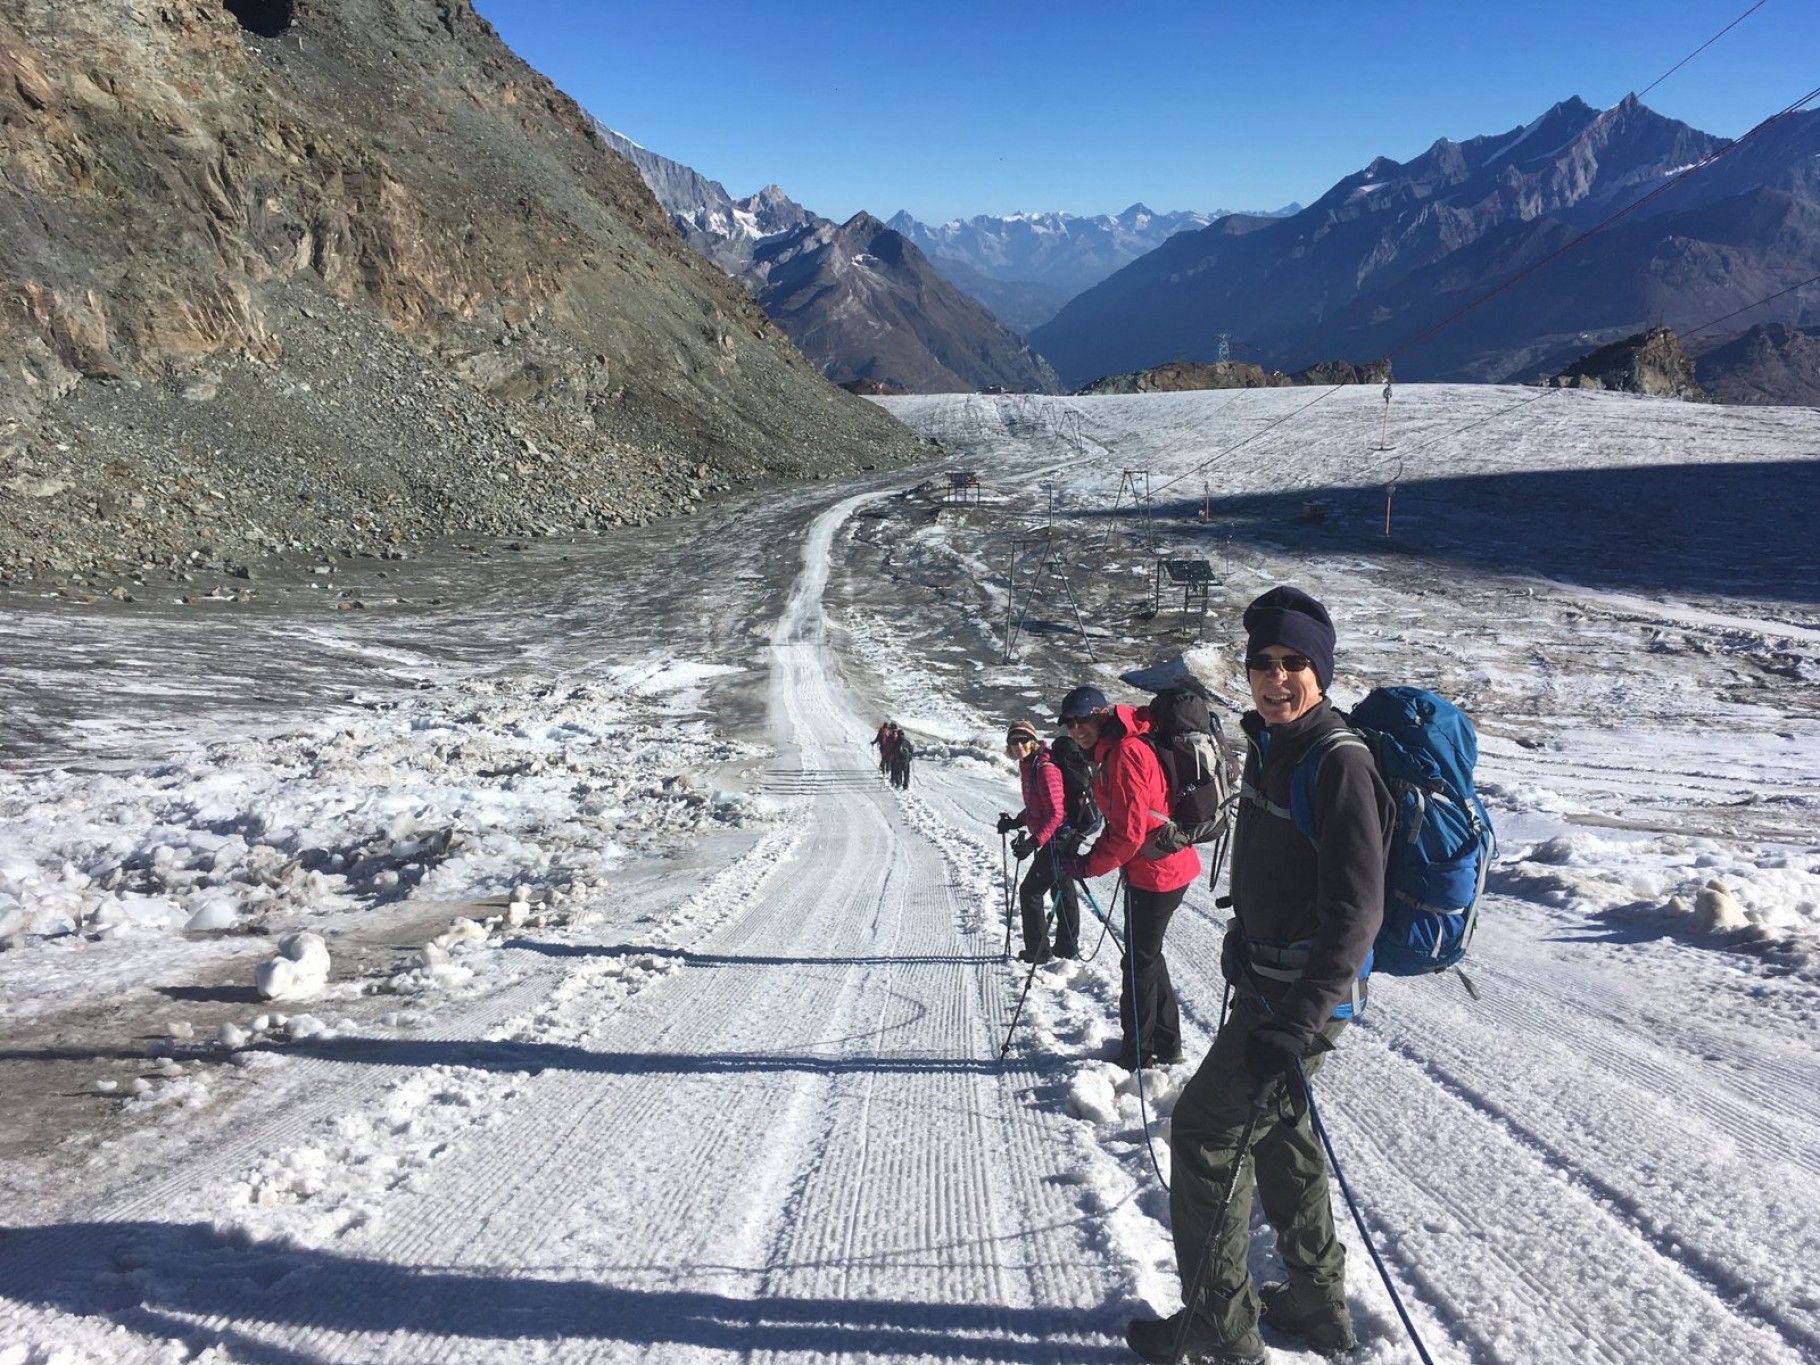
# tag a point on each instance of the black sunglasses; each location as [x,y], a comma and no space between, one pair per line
[1291,663]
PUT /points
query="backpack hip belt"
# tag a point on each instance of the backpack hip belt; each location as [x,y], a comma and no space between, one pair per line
[1282,964]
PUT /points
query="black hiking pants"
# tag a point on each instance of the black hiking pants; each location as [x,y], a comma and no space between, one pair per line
[1147,1011]
[1033,901]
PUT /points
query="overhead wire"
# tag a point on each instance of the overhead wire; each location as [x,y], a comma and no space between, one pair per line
[1703,46]
[1767,298]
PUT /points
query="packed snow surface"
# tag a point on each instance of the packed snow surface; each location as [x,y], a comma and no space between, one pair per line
[647,1033]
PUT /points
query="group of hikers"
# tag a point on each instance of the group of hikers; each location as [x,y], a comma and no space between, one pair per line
[1305,911]
[894,753]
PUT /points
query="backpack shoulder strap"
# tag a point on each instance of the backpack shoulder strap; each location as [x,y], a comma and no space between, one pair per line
[1300,810]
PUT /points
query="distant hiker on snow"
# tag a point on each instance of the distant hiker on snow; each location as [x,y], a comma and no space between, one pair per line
[1041,823]
[902,751]
[1133,798]
[885,741]
[1305,913]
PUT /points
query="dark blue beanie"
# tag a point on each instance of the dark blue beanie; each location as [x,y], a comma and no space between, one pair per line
[1291,618]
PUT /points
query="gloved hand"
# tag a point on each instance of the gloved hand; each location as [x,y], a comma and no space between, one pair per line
[1022,847]
[1235,958]
[1274,1053]
[1072,867]
[1007,823]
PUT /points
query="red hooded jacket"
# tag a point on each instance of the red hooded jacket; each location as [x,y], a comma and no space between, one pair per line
[1134,800]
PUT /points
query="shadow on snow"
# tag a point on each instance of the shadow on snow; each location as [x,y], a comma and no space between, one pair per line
[1741,529]
[159,1279]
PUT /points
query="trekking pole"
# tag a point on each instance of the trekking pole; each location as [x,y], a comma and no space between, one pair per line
[1029,977]
[1004,851]
[1137,1034]
[1191,1300]
[1101,915]
[1314,1117]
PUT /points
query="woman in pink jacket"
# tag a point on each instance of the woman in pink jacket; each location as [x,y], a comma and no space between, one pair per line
[1134,799]
[1042,819]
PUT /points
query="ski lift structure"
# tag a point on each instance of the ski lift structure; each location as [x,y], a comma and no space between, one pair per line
[1195,578]
[963,486]
[1047,578]
[1135,485]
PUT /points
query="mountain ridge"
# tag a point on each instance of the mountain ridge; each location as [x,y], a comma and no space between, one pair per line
[897,325]
[1391,252]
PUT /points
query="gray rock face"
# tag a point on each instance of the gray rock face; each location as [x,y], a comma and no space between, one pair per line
[363,282]
[724,229]
[1185,375]
[1650,362]
[1771,363]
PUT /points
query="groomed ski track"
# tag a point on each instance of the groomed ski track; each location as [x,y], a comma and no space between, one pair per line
[742,1142]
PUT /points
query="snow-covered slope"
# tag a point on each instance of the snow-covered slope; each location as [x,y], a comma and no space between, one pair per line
[728,1084]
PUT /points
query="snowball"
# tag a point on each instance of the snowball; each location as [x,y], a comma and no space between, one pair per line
[301,1026]
[299,971]
[231,1036]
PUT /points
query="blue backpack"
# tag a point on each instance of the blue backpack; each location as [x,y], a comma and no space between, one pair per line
[1443,843]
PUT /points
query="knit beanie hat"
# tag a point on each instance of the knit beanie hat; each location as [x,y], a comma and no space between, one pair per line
[1021,729]
[1291,618]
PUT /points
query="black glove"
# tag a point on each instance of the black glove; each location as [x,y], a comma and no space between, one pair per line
[1007,823]
[1022,847]
[1274,1053]
[1235,958]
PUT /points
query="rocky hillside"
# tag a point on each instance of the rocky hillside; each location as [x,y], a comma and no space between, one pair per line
[1651,362]
[347,276]
[1402,259]
[1771,363]
[1181,376]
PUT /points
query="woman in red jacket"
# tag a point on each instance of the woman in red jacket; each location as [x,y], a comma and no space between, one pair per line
[1134,799]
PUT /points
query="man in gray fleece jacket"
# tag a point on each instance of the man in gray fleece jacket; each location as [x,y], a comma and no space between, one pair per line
[1305,912]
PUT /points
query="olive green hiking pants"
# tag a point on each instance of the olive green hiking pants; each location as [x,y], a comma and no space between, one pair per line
[1286,1166]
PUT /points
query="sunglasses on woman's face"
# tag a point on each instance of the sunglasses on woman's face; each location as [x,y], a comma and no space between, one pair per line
[1289,663]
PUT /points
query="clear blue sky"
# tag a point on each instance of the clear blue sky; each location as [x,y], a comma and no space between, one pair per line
[949,109]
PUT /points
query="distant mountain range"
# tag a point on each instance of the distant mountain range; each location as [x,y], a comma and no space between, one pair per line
[861,303]
[1381,264]
[1025,266]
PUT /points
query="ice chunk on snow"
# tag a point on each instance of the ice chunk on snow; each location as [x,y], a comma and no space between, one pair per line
[298,972]
[218,912]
